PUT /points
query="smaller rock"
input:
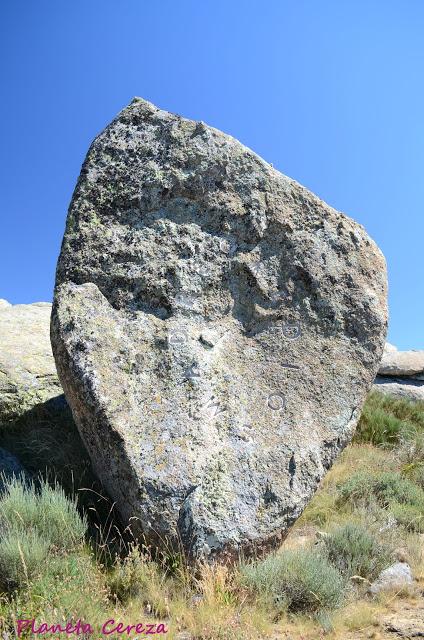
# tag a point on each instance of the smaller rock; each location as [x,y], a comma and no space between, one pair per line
[27,370]
[396,577]
[402,363]
[4,303]
[406,626]
[10,467]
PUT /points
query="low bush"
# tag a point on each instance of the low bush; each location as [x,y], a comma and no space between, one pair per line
[415,473]
[412,449]
[391,487]
[385,489]
[296,580]
[70,585]
[353,550]
[356,489]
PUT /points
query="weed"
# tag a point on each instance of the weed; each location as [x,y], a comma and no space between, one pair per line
[22,553]
[45,509]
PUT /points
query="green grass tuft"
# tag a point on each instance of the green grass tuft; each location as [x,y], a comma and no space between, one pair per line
[409,516]
[45,509]
[22,553]
[388,420]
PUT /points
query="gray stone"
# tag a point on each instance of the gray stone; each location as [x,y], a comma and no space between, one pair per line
[396,577]
[216,328]
[10,467]
[27,369]
[402,363]
[402,388]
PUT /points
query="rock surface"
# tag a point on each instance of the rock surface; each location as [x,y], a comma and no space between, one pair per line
[27,369]
[216,328]
[398,576]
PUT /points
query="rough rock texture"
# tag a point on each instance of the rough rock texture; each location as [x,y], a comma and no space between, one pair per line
[27,369]
[216,328]
[397,576]
[401,374]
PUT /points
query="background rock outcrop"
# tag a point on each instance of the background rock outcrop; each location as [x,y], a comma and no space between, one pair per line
[216,328]
[36,425]
[401,374]
[27,369]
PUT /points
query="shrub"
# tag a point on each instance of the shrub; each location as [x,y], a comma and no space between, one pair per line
[299,580]
[22,552]
[58,518]
[45,509]
[71,583]
[67,585]
[390,487]
[386,488]
[356,489]
[355,551]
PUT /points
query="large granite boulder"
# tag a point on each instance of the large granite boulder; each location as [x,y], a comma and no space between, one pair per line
[27,369]
[216,328]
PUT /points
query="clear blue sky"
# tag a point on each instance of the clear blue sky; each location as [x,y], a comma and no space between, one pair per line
[331,92]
